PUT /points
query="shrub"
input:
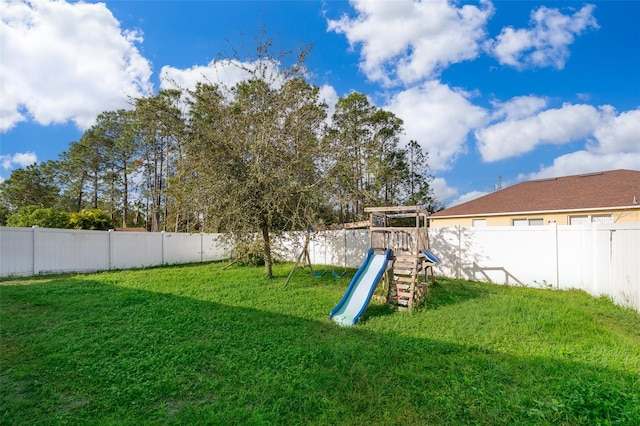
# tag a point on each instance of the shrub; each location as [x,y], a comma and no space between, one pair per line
[37,216]
[95,219]
[250,253]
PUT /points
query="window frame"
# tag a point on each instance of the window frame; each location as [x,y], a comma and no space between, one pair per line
[590,218]
[527,221]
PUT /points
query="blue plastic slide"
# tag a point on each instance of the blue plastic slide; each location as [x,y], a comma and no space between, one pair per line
[430,256]
[358,294]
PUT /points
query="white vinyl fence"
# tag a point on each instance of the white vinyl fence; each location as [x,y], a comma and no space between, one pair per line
[33,251]
[601,259]
[335,249]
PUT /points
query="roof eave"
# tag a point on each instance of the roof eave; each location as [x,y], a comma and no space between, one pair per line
[591,209]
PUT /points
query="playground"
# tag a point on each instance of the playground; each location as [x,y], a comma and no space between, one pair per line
[197,344]
[398,259]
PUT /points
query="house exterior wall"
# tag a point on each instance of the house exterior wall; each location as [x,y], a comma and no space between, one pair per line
[561,218]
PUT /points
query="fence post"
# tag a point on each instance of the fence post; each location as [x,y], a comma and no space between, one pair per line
[162,234]
[110,249]
[557,257]
[36,241]
[459,260]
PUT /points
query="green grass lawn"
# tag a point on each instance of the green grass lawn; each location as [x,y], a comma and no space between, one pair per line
[202,345]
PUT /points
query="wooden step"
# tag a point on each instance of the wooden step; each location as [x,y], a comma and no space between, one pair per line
[406,258]
[404,265]
[406,272]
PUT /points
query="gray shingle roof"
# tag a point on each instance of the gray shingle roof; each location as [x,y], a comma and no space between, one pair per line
[609,189]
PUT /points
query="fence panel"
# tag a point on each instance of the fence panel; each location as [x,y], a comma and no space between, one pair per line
[335,248]
[189,248]
[16,251]
[70,250]
[624,281]
[181,248]
[136,249]
[601,259]
[574,247]
[511,256]
[214,248]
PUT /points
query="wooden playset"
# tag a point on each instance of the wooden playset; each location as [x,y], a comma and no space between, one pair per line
[405,231]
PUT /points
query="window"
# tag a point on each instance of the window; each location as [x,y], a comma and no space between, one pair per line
[578,220]
[528,222]
[596,218]
[479,222]
[602,218]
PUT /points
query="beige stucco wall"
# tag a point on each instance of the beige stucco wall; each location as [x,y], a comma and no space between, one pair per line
[561,218]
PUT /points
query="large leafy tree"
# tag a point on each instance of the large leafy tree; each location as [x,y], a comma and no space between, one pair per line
[257,147]
[82,170]
[159,126]
[96,171]
[33,185]
[365,165]
[72,177]
[345,144]
[117,131]
[418,190]
[210,157]
[384,162]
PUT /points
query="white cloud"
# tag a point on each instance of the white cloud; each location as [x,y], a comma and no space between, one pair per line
[5,162]
[407,41]
[449,196]
[585,161]
[439,118]
[66,62]
[24,159]
[546,43]
[442,190]
[330,97]
[518,107]
[469,196]
[618,134]
[615,144]
[20,159]
[227,73]
[514,137]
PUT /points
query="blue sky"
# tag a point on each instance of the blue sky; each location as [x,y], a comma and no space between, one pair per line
[512,89]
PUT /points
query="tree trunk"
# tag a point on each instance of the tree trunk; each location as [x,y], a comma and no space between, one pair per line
[95,190]
[268,270]
[125,197]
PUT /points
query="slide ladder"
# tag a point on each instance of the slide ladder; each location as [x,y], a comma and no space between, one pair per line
[406,290]
[403,290]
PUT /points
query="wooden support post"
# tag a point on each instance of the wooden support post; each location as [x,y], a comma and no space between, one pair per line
[304,256]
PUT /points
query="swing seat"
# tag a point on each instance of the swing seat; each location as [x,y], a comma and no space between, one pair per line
[319,274]
[339,274]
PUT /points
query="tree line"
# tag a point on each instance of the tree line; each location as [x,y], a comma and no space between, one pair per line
[261,156]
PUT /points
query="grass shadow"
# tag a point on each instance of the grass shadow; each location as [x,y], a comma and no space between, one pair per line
[450,291]
[82,351]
